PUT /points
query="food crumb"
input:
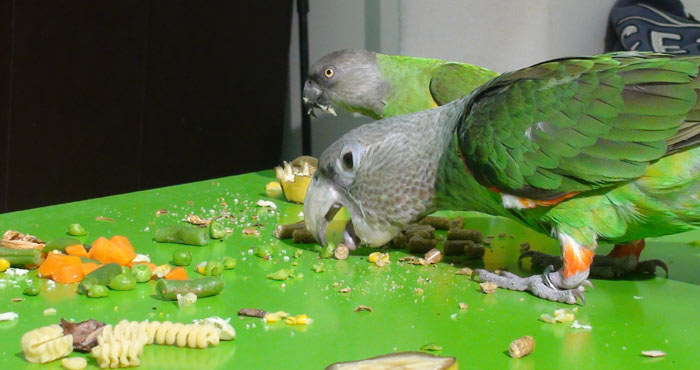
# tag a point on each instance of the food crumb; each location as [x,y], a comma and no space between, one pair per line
[465,271]
[488,287]
[463,306]
[654,353]
[521,347]
[576,325]
[363,308]
[49,311]
[8,316]
[344,290]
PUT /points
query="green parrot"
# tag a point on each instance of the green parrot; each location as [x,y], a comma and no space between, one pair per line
[587,150]
[379,86]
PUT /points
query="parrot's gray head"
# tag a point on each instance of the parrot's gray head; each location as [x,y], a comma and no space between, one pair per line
[383,173]
[349,79]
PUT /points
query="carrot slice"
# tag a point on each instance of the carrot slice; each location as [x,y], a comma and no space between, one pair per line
[89,267]
[56,261]
[68,274]
[125,245]
[177,273]
[76,250]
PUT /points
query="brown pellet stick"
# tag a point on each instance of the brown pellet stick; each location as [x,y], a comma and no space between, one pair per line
[303,236]
[286,231]
[440,223]
[420,245]
[461,234]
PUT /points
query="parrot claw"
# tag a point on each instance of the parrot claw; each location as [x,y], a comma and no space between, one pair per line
[539,285]
[606,267]
[649,266]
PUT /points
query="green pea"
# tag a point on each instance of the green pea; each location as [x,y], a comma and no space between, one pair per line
[31,290]
[214,268]
[262,251]
[230,263]
[182,258]
[97,291]
[217,230]
[141,272]
[123,282]
[76,230]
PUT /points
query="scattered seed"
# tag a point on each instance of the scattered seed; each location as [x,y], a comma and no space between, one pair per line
[161,212]
[251,231]
[489,287]
[344,290]
[17,299]
[102,218]
[433,256]
[363,308]
[252,312]
[463,306]
[654,353]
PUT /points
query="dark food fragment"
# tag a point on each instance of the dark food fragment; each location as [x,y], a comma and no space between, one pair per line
[473,250]
[400,241]
[252,312]
[420,245]
[461,234]
[454,247]
[440,223]
[425,231]
[457,223]
[84,333]
[286,231]
[303,236]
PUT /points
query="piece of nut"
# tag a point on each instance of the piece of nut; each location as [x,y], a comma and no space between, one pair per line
[489,287]
[433,256]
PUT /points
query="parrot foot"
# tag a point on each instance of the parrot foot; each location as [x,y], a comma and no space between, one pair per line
[606,267]
[544,286]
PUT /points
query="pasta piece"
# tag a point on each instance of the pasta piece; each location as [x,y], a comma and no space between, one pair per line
[181,335]
[226,331]
[120,345]
[74,363]
[46,344]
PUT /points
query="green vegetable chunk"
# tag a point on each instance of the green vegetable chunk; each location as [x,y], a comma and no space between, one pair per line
[60,244]
[281,274]
[21,257]
[101,276]
[217,230]
[328,250]
[123,282]
[97,291]
[126,270]
[202,287]
[182,235]
[141,272]
[230,263]
[31,290]
[263,251]
[214,268]
[76,230]
[182,258]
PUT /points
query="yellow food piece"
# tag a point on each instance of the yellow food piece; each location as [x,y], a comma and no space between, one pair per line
[273,189]
[295,191]
[295,177]
[402,360]
[379,258]
[298,320]
[4,264]
[275,316]
[46,344]
[74,363]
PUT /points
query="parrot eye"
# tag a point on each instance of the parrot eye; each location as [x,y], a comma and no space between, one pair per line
[347,161]
[329,72]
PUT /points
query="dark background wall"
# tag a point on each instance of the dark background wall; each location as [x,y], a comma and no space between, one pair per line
[110,96]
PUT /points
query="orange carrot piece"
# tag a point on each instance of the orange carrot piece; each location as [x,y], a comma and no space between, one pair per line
[124,243]
[55,261]
[177,273]
[89,267]
[68,274]
[76,250]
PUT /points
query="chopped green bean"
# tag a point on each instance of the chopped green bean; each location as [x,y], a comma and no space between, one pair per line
[182,235]
[21,257]
[214,268]
[217,230]
[202,287]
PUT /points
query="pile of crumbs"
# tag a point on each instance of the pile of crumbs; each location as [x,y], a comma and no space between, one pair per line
[565,315]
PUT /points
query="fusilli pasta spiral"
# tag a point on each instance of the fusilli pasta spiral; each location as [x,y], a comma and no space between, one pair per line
[181,335]
[120,345]
[46,344]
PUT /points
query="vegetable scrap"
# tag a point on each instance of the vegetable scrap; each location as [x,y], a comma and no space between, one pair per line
[298,320]
[202,287]
[76,230]
[654,353]
[266,204]
[406,360]
[181,234]
[273,189]
[8,316]
[560,315]
[102,218]
[380,259]
[188,299]
[252,312]
[363,308]
[295,177]
[281,274]
[576,325]
[431,347]
[84,333]
[521,347]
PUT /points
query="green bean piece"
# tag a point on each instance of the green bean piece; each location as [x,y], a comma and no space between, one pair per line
[217,230]
[122,282]
[60,244]
[263,251]
[182,235]
[31,290]
[97,291]
[87,282]
[214,268]
[230,263]
[141,272]
[202,287]
[182,257]
[76,230]
[328,250]
[21,257]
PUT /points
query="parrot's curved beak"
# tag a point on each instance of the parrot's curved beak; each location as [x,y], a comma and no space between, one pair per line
[321,204]
[315,98]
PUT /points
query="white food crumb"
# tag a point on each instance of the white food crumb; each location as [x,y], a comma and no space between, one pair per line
[637,297]
[301,214]
[8,316]
[141,258]
[49,311]
[266,203]
[576,325]
[16,272]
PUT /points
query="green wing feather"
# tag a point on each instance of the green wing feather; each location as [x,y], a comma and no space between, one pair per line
[452,81]
[579,124]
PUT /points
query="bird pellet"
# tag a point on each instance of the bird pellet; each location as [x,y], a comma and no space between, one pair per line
[461,234]
[521,347]
[440,223]
[341,252]
[457,223]
[286,231]
[421,245]
[303,236]
[400,241]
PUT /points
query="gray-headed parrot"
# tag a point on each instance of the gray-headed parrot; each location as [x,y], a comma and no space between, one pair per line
[379,85]
[587,150]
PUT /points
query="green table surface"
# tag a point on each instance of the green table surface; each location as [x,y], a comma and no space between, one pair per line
[627,316]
